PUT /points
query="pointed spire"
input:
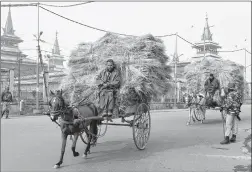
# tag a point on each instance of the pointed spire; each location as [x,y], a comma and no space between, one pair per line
[8,25]
[206,33]
[56,49]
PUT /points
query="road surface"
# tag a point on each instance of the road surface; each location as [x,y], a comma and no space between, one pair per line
[32,144]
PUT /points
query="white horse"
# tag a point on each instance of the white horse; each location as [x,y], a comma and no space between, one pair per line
[196,107]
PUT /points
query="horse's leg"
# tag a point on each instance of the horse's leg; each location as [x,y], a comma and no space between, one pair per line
[87,150]
[63,147]
[76,135]
[189,118]
[94,131]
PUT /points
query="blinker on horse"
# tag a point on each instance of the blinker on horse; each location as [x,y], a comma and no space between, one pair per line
[69,126]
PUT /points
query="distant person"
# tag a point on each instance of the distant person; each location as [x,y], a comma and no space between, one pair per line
[6,100]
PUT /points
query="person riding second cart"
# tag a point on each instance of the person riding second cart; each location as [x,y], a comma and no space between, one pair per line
[211,85]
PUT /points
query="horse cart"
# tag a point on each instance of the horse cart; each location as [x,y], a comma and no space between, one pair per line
[83,120]
[198,108]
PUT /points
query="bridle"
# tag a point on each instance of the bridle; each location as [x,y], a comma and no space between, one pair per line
[59,112]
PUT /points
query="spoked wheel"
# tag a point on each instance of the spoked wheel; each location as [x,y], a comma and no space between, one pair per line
[83,137]
[198,114]
[141,126]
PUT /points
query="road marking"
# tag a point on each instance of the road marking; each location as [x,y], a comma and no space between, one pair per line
[220,148]
[225,156]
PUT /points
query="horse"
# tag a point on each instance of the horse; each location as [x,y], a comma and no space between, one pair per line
[189,100]
[73,122]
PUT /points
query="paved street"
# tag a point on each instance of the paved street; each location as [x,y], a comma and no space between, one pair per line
[33,144]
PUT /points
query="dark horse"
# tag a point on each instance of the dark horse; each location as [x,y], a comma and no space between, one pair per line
[72,122]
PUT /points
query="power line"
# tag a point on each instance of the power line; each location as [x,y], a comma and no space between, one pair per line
[231,51]
[217,51]
[162,36]
[43,51]
[102,30]
[84,24]
[19,5]
[187,41]
[248,51]
[67,5]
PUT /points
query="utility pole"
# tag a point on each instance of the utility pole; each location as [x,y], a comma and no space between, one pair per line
[1,83]
[19,80]
[175,72]
[244,92]
[37,90]
[245,63]
[204,43]
[48,56]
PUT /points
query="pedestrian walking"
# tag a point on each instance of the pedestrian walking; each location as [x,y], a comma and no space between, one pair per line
[6,100]
[233,104]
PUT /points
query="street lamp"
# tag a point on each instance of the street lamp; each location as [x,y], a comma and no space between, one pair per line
[48,72]
[175,76]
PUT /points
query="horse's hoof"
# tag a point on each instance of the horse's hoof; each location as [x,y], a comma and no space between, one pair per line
[84,156]
[76,154]
[188,123]
[56,166]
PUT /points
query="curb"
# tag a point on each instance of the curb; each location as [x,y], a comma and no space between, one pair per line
[246,149]
[164,110]
[170,110]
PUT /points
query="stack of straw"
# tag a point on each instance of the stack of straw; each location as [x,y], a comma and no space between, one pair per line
[141,62]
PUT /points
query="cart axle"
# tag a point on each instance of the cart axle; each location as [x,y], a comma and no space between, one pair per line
[128,125]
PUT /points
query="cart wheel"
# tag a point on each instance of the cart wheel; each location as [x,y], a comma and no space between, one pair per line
[141,126]
[198,114]
[84,138]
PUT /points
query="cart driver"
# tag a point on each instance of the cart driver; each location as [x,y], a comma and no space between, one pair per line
[211,85]
[108,82]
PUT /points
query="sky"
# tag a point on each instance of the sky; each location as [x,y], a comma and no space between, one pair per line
[231,23]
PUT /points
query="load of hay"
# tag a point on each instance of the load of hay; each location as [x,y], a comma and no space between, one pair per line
[140,60]
[225,71]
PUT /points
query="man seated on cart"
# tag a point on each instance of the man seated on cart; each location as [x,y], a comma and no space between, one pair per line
[211,85]
[108,82]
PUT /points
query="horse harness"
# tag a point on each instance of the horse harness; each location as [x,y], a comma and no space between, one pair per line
[65,109]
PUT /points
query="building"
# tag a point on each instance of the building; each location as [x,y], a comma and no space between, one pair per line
[206,48]
[10,56]
[53,80]
[55,59]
